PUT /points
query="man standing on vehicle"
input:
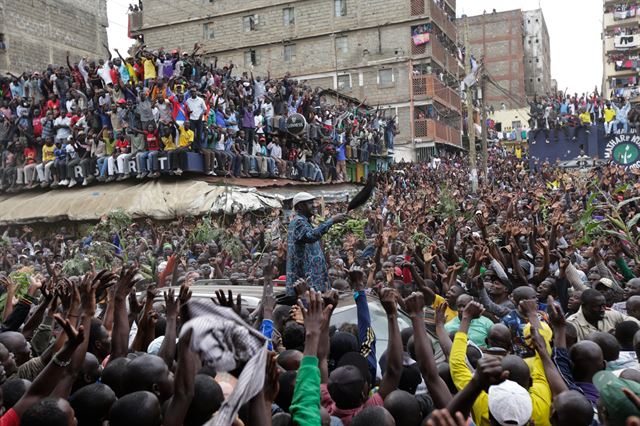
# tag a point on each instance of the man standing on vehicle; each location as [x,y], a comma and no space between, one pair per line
[305,258]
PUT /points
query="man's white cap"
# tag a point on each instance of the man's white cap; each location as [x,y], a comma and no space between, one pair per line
[302,196]
[510,403]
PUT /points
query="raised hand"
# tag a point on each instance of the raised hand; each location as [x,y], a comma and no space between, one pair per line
[228,301]
[444,418]
[356,277]
[441,315]
[473,310]
[184,295]
[74,336]
[271,378]
[528,307]
[389,299]
[556,316]
[489,372]
[301,287]
[171,303]
[126,282]
[414,304]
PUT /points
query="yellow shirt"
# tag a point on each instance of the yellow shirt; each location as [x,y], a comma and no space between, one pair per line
[168,143]
[47,153]
[585,117]
[449,313]
[149,69]
[461,375]
[609,114]
[186,137]
[132,73]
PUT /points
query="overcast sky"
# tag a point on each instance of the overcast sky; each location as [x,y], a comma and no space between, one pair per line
[574,30]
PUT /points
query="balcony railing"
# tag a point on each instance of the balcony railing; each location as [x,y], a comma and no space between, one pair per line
[437,131]
[431,86]
[442,21]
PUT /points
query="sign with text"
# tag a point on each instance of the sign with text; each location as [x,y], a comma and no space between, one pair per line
[626,41]
[624,150]
[295,124]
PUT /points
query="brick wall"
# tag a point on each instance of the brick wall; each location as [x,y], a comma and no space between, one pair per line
[498,39]
[40,33]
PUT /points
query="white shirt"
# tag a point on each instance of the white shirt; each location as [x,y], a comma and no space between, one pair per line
[267,110]
[63,132]
[197,107]
[105,74]
[276,151]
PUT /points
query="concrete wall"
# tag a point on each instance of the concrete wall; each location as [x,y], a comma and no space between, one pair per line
[38,33]
[537,54]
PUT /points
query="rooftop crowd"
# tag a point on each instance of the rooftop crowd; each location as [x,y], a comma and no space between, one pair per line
[515,305]
[140,116]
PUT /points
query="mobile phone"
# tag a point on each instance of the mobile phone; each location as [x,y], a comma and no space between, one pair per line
[495,351]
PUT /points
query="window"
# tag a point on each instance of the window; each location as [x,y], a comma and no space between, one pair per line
[340,7]
[207,31]
[342,44]
[537,60]
[208,1]
[516,124]
[288,16]
[344,82]
[250,58]
[537,41]
[289,52]
[2,45]
[385,76]
[249,23]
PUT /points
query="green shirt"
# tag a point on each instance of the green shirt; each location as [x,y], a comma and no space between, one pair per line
[305,405]
[478,329]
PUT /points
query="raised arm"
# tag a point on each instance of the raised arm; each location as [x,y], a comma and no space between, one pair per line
[391,378]
[120,334]
[424,352]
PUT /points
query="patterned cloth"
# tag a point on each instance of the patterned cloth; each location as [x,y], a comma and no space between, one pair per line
[223,340]
[305,258]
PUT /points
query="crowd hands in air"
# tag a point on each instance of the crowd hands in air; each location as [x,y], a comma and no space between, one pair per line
[140,117]
[519,304]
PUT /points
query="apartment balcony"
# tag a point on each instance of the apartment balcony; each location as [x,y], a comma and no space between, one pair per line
[437,15]
[437,131]
[611,22]
[622,43]
[430,86]
[437,51]
[440,18]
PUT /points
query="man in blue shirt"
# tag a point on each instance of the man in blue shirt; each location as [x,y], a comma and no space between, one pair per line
[305,258]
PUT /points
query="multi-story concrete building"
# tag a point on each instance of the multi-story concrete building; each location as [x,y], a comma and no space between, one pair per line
[537,54]
[400,55]
[34,34]
[514,46]
[621,50]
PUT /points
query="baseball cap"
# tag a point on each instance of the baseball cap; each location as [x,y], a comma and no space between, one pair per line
[607,282]
[510,403]
[618,406]
[302,196]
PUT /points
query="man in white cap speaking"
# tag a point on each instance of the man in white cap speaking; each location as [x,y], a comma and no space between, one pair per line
[305,258]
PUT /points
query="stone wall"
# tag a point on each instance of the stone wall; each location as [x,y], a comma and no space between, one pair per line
[38,33]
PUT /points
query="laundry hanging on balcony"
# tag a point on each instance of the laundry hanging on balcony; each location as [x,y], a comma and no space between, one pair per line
[421,34]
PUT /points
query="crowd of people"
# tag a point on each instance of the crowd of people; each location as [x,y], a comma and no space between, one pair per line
[516,304]
[140,116]
[579,112]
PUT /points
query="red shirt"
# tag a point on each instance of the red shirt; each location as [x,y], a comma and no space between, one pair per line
[37,126]
[53,105]
[115,75]
[152,141]
[10,418]
[29,155]
[122,145]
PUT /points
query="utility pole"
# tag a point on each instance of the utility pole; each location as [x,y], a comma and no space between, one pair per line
[471,129]
[483,86]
